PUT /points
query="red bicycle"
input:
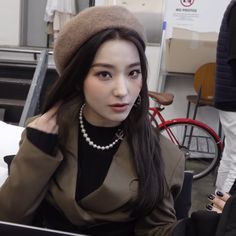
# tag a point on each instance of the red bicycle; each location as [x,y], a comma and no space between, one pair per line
[200,144]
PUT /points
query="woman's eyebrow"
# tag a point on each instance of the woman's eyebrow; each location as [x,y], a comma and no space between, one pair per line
[112,66]
[135,64]
[102,65]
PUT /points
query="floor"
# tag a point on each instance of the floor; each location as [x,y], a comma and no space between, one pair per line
[200,190]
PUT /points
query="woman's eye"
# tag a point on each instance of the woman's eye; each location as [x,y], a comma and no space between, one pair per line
[104,75]
[135,73]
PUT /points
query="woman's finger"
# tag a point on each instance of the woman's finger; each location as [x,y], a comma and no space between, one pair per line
[223,196]
[219,199]
[212,207]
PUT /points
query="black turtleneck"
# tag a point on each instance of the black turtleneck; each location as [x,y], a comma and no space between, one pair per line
[93,164]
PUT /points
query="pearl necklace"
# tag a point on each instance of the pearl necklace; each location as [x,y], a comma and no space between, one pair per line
[119,134]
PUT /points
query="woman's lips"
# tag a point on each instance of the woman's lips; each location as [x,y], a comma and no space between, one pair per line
[119,107]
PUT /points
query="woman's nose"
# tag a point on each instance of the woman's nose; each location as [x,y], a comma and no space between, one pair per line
[121,87]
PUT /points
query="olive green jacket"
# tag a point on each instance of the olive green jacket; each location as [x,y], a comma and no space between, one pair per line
[35,175]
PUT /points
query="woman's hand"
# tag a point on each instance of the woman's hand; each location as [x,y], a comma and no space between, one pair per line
[47,122]
[217,201]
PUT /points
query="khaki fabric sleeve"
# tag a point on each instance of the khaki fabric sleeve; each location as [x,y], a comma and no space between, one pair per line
[28,182]
[162,220]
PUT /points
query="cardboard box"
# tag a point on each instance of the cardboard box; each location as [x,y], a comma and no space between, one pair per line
[187,50]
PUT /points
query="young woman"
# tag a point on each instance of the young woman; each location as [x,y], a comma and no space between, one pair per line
[92,163]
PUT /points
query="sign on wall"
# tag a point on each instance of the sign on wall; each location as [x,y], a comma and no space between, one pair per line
[196,15]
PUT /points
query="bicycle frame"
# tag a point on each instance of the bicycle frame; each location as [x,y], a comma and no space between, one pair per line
[156,111]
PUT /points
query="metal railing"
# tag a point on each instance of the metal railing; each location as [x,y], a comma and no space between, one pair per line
[40,59]
[34,93]
[24,50]
[34,52]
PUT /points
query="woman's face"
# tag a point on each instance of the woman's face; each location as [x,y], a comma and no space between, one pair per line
[113,83]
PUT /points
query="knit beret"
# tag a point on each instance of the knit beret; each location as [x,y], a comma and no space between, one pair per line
[88,23]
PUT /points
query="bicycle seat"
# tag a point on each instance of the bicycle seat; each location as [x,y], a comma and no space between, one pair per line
[162,98]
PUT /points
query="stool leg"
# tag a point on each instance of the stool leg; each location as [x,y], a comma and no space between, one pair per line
[195,111]
[188,109]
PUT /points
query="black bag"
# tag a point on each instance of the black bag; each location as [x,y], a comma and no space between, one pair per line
[227,223]
[201,223]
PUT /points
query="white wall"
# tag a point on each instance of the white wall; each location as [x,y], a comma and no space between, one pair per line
[100,2]
[153,57]
[10,22]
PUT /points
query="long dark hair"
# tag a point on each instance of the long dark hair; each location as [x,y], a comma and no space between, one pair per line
[142,138]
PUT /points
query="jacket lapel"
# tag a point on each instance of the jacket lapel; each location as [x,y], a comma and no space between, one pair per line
[119,186]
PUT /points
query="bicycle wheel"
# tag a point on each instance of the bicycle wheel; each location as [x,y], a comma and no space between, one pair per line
[201,149]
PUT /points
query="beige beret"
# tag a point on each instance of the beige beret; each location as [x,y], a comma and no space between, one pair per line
[86,24]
